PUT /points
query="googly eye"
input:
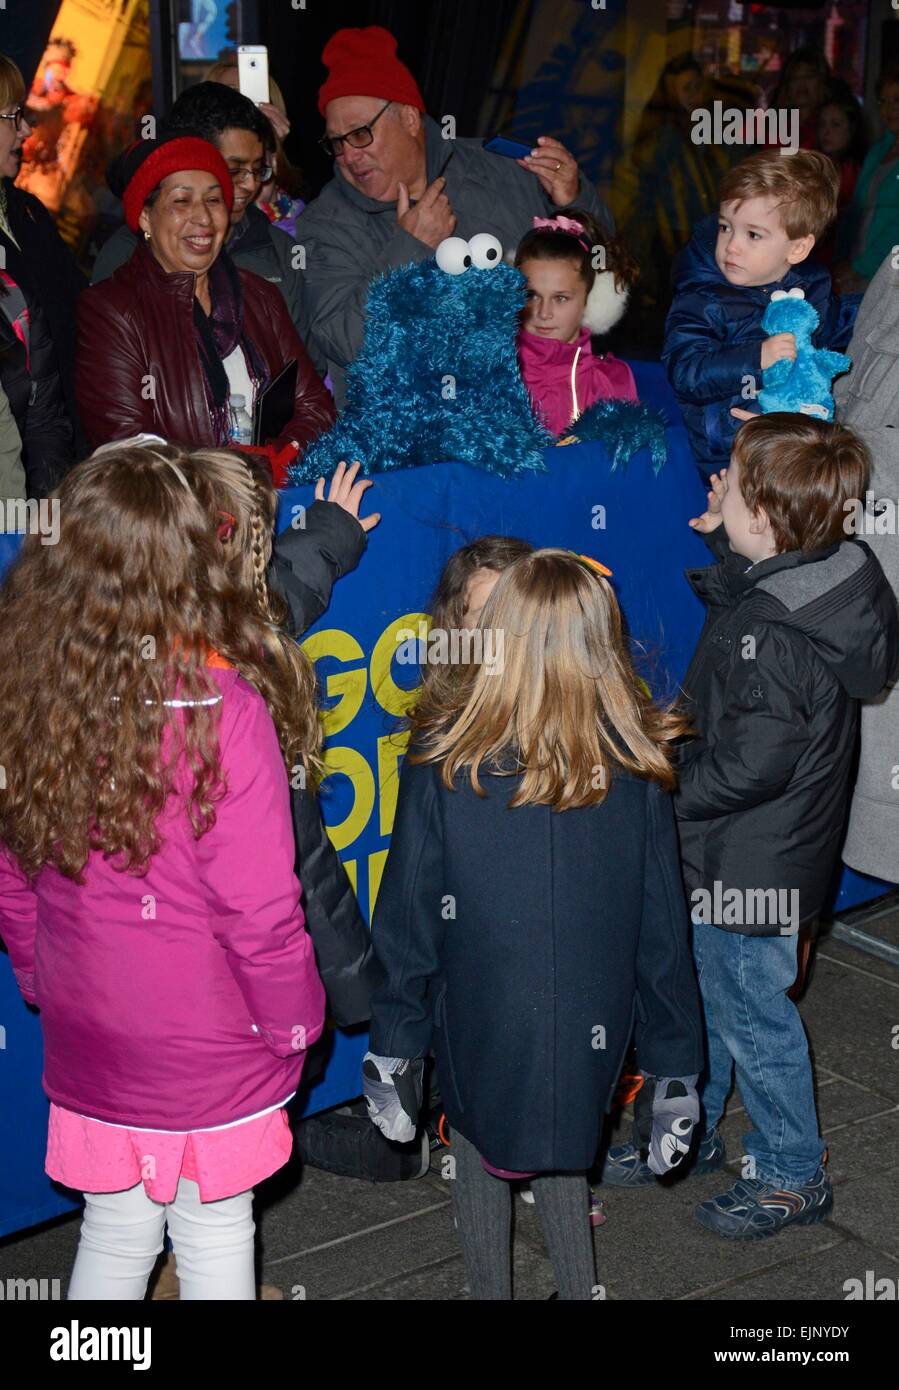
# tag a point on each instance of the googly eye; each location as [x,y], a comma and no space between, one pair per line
[453,255]
[485,250]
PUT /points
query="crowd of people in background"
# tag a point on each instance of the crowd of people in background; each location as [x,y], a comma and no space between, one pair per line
[665,182]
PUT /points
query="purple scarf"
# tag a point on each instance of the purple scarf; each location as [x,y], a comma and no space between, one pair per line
[218,334]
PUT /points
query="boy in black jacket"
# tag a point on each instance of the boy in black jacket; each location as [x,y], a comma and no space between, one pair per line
[801,625]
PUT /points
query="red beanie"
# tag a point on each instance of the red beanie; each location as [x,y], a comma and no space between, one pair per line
[153,160]
[363,63]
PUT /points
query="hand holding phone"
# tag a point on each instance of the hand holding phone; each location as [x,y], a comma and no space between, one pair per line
[252,72]
[511,149]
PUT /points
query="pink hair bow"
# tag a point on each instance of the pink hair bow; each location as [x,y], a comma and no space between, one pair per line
[563,224]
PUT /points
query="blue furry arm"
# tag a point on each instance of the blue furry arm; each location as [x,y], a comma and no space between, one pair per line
[701,368]
[624,427]
[777,373]
[833,363]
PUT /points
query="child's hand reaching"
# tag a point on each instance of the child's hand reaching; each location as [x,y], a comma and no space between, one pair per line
[347,493]
[711,518]
[779,345]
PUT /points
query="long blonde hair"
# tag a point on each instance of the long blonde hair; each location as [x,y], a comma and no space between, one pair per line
[563,709]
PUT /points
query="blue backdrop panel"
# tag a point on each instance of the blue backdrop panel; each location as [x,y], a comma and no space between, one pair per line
[633,521]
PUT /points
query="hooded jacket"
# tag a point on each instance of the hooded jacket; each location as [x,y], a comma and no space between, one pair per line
[713,339]
[789,648]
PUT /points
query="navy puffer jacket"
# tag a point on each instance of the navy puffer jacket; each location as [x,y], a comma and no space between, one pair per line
[713,339]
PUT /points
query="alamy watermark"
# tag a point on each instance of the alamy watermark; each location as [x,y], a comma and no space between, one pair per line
[455,646]
[746,907]
[23,1290]
[873,516]
[730,126]
[35,518]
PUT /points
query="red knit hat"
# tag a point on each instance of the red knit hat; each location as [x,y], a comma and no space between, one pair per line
[148,162]
[363,63]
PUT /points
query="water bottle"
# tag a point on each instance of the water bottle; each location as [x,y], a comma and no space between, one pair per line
[241,421]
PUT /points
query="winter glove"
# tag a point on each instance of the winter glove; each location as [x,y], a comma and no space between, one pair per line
[392,1087]
[675,1111]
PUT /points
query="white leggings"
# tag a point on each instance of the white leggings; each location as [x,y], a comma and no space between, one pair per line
[121,1237]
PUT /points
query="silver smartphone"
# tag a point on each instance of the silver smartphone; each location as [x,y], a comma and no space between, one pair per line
[252,71]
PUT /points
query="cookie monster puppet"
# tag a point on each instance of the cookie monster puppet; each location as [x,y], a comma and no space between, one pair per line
[803,384]
[437,377]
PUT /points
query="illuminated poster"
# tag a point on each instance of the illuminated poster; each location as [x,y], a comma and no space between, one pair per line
[202,30]
[91,88]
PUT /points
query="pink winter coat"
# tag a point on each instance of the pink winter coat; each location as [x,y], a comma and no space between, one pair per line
[546,368]
[185,998]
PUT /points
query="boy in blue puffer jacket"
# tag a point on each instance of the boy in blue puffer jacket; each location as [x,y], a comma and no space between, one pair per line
[773,208]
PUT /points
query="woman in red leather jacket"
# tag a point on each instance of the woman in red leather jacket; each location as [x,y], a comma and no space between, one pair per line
[178,330]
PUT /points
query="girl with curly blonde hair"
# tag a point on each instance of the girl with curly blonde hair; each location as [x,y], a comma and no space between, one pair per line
[149,707]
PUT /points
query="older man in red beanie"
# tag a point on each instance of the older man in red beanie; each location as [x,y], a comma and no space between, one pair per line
[400,187]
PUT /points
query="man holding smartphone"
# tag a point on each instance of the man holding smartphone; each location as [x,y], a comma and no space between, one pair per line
[400,188]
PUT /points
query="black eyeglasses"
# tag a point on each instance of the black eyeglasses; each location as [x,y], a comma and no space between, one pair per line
[357,139]
[15,116]
[256,173]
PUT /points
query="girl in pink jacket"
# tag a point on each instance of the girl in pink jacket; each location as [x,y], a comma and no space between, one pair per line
[148,703]
[578,283]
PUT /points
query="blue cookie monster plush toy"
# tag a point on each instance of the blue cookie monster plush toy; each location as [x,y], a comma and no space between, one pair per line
[437,376]
[803,384]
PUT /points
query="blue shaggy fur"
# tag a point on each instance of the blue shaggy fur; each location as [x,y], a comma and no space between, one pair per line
[623,427]
[437,378]
[803,385]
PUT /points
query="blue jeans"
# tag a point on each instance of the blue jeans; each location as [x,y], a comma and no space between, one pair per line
[751,1024]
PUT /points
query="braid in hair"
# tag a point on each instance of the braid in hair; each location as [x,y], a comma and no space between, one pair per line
[257,542]
[300,735]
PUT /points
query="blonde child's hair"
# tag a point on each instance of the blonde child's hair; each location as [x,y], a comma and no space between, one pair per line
[563,709]
[805,185]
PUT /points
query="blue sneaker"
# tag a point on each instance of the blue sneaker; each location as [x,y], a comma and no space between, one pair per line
[625,1168]
[752,1208]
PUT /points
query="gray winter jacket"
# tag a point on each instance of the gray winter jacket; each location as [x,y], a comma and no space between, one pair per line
[867,399]
[254,244]
[349,238]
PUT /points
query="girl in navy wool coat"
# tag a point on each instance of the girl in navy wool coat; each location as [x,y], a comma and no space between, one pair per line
[531,912]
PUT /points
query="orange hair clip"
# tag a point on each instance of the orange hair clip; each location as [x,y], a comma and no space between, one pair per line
[593,564]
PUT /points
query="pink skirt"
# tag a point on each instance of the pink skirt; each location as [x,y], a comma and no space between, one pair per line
[92,1156]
